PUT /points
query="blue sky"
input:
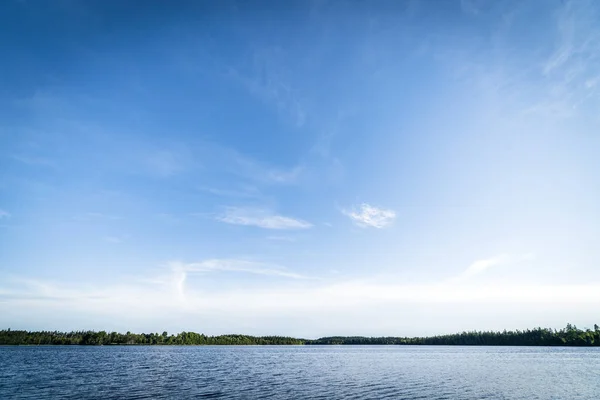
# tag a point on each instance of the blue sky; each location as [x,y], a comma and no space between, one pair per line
[299,168]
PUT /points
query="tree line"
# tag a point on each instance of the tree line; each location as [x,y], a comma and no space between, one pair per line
[568,336]
[15,337]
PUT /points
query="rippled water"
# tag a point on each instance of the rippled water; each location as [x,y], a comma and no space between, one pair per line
[308,372]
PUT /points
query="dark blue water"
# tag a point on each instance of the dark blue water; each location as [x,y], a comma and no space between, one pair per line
[299,372]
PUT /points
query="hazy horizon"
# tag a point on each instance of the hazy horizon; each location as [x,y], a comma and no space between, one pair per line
[304,169]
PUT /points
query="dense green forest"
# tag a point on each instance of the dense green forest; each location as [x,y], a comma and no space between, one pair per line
[568,336]
[112,338]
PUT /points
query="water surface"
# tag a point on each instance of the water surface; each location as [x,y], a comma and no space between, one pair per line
[300,372]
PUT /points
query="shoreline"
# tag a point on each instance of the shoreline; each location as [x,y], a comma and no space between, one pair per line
[570,336]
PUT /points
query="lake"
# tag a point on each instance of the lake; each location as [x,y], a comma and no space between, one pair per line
[300,372]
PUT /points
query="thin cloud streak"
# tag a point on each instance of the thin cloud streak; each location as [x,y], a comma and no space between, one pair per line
[479,267]
[261,219]
[281,238]
[34,161]
[234,265]
[116,239]
[95,216]
[180,272]
[245,192]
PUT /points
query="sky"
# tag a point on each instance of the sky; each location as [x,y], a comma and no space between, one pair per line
[302,168]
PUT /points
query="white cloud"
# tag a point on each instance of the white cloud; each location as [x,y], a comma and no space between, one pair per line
[480,266]
[174,282]
[4,214]
[261,219]
[234,265]
[371,216]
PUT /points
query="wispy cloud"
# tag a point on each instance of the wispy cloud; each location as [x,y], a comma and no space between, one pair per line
[573,24]
[34,160]
[234,265]
[471,7]
[281,238]
[168,218]
[282,176]
[242,192]
[367,215]
[261,219]
[256,171]
[97,216]
[555,80]
[179,272]
[4,214]
[573,66]
[164,163]
[265,77]
[482,265]
[116,239]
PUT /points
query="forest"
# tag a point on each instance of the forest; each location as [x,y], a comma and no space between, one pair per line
[568,336]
